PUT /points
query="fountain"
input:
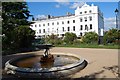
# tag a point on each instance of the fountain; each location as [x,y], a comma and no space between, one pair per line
[46,65]
[47,57]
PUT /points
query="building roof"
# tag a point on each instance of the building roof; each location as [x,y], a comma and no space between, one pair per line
[55,17]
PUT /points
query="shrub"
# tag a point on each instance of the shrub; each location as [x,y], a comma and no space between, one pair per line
[111,36]
[53,39]
[90,37]
[70,38]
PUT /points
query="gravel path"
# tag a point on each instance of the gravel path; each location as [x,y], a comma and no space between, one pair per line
[102,63]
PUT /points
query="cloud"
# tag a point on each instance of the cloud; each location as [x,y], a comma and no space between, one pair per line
[63,2]
[67,3]
[76,4]
[57,6]
[41,16]
[109,23]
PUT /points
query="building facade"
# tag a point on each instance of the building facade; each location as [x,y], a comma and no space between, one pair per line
[87,18]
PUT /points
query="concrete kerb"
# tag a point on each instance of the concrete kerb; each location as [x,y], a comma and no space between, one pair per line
[53,72]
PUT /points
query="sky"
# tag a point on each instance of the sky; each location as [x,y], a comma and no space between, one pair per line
[41,9]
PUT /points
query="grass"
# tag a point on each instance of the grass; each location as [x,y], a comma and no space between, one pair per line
[91,46]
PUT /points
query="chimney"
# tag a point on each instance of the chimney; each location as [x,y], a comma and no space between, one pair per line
[92,5]
[48,16]
[68,13]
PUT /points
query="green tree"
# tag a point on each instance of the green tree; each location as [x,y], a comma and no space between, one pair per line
[111,36]
[70,38]
[53,39]
[14,14]
[23,37]
[90,37]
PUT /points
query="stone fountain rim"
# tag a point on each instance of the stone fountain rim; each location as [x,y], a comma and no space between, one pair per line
[46,70]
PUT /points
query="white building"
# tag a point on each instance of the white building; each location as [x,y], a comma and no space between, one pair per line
[86,19]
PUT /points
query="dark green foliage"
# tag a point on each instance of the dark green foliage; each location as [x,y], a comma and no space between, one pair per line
[112,36]
[77,42]
[90,37]
[23,37]
[15,15]
[39,41]
[70,38]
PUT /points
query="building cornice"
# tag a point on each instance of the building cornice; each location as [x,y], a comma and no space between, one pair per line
[65,17]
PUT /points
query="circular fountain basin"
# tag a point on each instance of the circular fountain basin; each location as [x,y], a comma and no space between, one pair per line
[29,66]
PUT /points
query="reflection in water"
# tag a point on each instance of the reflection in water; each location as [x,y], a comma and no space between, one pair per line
[34,62]
[47,65]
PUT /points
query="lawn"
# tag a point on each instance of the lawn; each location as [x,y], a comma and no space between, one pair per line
[110,46]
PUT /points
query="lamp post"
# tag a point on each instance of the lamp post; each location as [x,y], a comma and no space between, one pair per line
[116,12]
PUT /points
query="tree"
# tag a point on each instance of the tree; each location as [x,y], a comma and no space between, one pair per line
[53,39]
[14,14]
[111,36]
[23,37]
[90,37]
[70,38]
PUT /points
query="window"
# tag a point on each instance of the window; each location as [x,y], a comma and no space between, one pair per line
[90,26]
[39,25]
[63,29]
[43,30]
[90,18]
[62,35]
[85,11]
[73,28]
[53,23]
[81,27]
[52,29]
[80,12]
[31,25]
[68,28]
[73,21]
[43,36]
[43,24]
[68,22]
[57,30]
[80,19]
[48,29]
[86,27]
[90,11]
[80,34]
[39,30]
[85,19]
[62,22]
[57,23]
[48,24]
[35,25]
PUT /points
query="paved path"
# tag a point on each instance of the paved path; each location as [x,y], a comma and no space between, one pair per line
[102,63]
